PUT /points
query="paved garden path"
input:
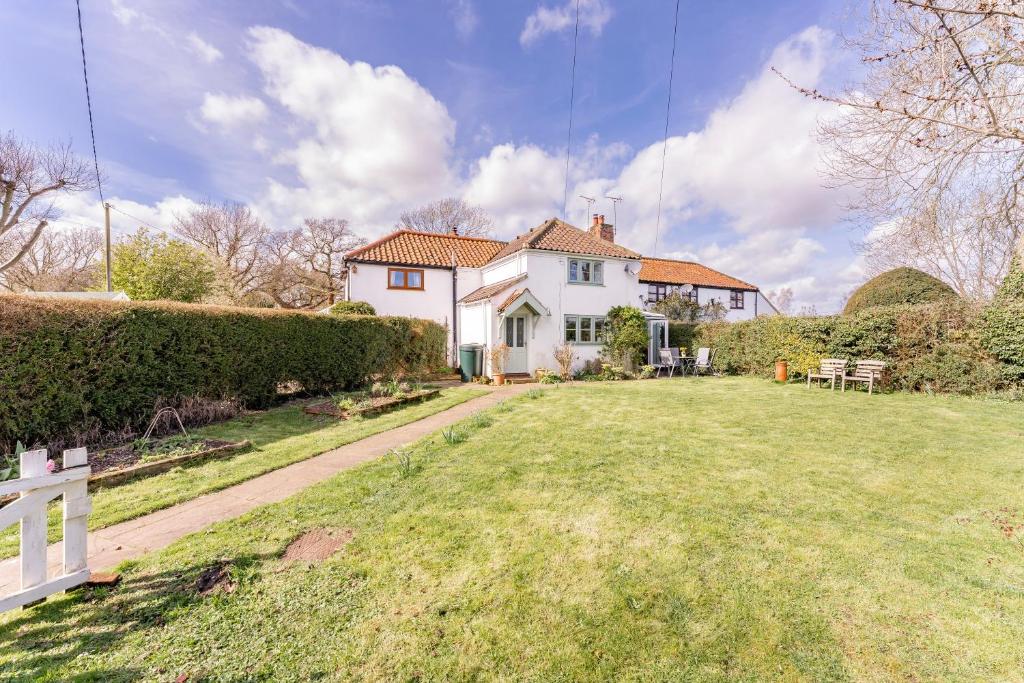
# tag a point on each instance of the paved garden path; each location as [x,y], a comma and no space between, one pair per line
[114,544]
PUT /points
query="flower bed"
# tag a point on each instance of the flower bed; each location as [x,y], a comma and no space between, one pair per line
[368,405]
[136,459]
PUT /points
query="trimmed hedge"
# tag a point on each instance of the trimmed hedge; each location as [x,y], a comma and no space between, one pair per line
[73,367]
[353,308]
[897,287]
[944,347]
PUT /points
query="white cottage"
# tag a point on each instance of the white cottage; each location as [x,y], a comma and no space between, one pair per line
[552,284]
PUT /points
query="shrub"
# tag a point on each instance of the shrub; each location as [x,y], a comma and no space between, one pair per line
[681,334]
[1003,333]
[353,308]
[1012,288]
[625,334]
[899,286]
[945,347]
[72,367]
[565,355]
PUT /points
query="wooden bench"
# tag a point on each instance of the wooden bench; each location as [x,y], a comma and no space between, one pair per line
[831,369]
[866,371]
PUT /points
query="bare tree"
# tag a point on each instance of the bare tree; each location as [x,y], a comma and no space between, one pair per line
[305,265]
[59,261]
[450,215]
[321,243]
[235,237]
[782,299]
[31,178]
[933,137]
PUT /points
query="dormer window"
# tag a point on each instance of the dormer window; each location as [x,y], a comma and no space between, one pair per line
[586,272]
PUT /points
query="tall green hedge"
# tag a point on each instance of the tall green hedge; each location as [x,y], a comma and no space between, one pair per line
[948,346]
[899,286]
[70,367]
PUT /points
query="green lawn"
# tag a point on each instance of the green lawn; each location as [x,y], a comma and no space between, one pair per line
[280,436]
[709,529]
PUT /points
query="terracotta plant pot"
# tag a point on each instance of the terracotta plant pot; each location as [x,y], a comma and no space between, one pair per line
[781,371]
[499,378]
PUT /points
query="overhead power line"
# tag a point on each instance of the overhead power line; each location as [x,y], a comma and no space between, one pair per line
[144,223]
[88,101]
[572,98]
[668,110]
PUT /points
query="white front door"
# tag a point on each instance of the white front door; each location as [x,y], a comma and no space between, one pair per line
[515,337]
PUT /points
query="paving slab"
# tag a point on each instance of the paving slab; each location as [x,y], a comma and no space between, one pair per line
[110,546]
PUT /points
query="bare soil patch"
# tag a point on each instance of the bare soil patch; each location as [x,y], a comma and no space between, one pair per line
[317,545]
[214,579]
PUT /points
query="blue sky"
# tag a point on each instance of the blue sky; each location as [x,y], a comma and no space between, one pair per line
[361,109]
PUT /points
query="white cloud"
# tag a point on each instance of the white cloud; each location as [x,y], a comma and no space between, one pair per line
[371,141]
[85,210]
[229,111]
[755,161]
[125,15]
[520,186]
[202,49]
[464,16]
[594,14]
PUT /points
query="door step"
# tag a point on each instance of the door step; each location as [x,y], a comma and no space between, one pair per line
[519,378]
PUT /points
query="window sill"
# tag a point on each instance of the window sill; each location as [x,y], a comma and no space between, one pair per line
[585,284]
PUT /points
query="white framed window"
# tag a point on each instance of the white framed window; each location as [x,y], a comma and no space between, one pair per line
[584,329]
[586,272]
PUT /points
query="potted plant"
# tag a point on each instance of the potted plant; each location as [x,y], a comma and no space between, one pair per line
[499,356]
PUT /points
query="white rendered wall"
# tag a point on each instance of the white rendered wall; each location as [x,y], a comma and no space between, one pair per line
[706,295]
[547,280]
[508,267]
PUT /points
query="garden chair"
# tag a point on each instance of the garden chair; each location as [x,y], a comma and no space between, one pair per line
[866,371]
[705,362]
[831,369]
[665,360]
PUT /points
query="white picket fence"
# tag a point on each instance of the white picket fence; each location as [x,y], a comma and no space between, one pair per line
[37,487]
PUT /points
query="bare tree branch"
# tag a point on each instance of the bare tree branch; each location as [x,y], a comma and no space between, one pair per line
[61,261]
[28,174]
[450,216]
[933,137]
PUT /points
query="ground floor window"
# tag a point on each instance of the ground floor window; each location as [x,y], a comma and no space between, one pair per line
[735,299]
[584,329]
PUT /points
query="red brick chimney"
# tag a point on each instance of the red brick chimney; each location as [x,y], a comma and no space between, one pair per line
[601,229]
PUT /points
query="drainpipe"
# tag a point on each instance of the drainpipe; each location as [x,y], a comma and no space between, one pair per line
[455,311]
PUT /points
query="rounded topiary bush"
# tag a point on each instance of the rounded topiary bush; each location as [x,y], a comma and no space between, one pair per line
[353,308]
[899,286]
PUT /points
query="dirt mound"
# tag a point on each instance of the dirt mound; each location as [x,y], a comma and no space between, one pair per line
[317,545]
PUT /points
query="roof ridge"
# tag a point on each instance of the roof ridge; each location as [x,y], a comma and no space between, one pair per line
[392,235]
[701,265]
[446,235]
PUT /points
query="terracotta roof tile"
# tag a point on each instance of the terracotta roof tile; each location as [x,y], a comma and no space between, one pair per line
[688,273]
[516,293]
[487,291]
[407,247]
[556,235]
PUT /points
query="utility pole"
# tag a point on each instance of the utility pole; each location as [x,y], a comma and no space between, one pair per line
[106,216]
